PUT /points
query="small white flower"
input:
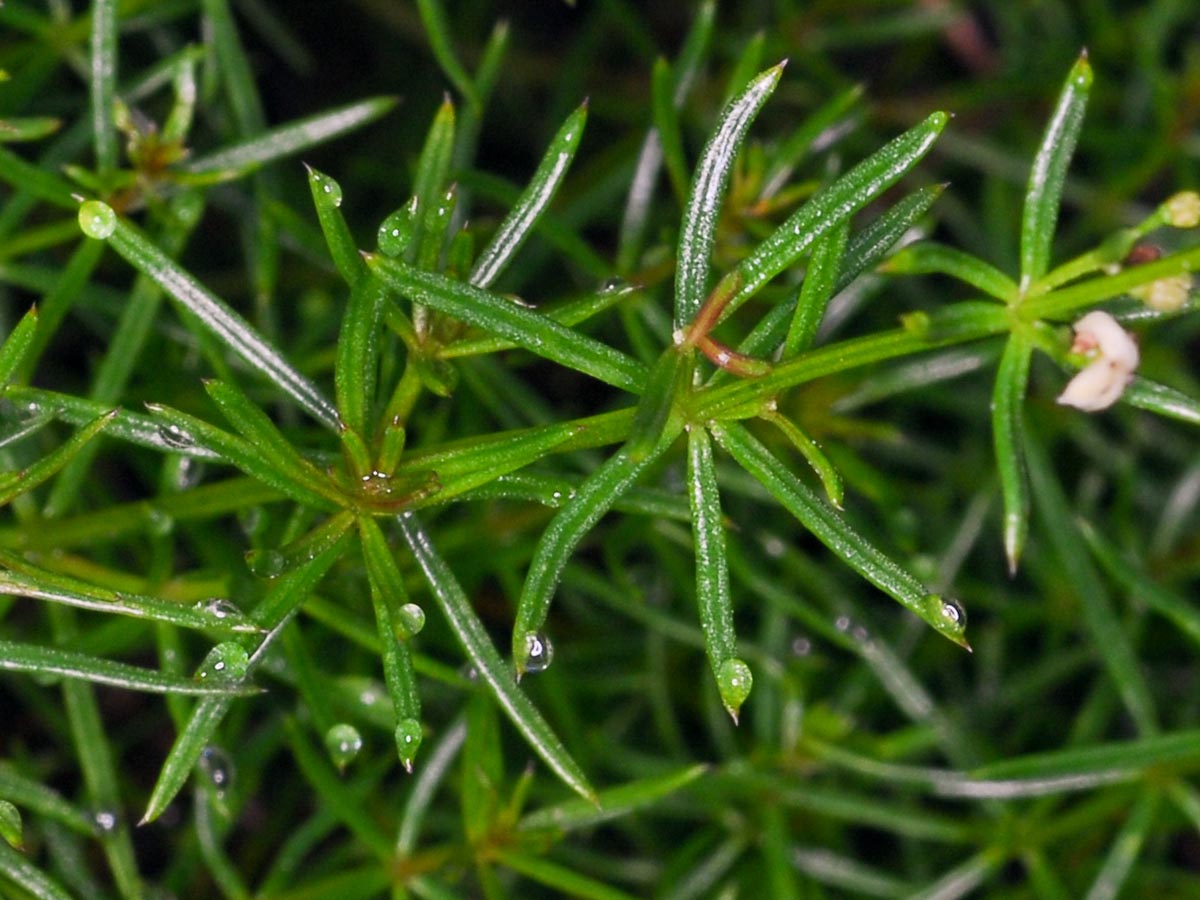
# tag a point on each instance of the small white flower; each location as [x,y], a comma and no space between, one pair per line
[1183,210]
[1100,384]
[1166,294]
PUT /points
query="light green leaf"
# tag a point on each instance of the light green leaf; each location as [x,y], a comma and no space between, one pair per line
[1008,435]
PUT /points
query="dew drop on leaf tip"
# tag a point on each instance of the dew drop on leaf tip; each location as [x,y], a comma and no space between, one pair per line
[343,743]
[539,653]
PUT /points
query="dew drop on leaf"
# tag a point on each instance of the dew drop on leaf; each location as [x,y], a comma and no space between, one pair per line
[228,661]
[412,618]
[408,741]
[217,768]
[11,826]
[159,523]
[97,219]
[539,653]
[106,820]
[175,437]
[266,563]
[734,682]
[343,742]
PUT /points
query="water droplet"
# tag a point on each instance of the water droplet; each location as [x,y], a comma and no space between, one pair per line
[268,563]
[228,661]
[175,437]
[97,219]
[613,285]
[159,523]
[408,741]
[412,618]
[250,520]
[217,768]
[219,608]
[343,743]
[377,484]
[842,623]
[187,473]
[801,646]
[368,697]
[734,681]
[539,653]
[945,614]
[395,233]
[329,190]
[106,820]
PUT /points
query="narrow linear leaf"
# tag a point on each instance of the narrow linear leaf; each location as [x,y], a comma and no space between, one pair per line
[327,199]
[429,184]
[946,616]
[594,497]
[561,879]
[456,607]
[712,575]
[699,227]
[16,869]
[1163,400]
[355,369]
[13,484]
[183,430]
[17,344]
[499,316]
[27,128]
[1134,579]
[820,280]
[669,379]
[930,257]
[39,182]
[614,803]
[292,138]
[839,201]
[1126,846]
[831,479]
[437,28]
[266,439]
[23,579]
[397,621]
[1108,635]
[279,604]
[103,83]
[33,796]
[79,666]
[1179,749]
[1008,436]
[519,223]
[1044,192]
[666,124]
[98,220]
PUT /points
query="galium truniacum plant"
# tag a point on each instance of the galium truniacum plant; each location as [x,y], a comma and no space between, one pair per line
[422,300]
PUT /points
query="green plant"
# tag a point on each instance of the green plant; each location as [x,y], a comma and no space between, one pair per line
[290,539]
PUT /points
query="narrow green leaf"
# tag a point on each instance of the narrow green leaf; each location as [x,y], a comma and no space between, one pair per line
[80,666]
[355,371]
[569,526]
[398,621]
[229,328]
[1134,579]
[27,128]
[236,73]
[17,344]
[279,604]
[13,484]
[815,134]
[457,609]
[946,616]
[183,431]
[327,198]
[831,480]
[562,880]
[287,140]
[963,879]
[930,257]
[820,280]
[437,29]
[668,381]
[1163,400]
[1108,635]
[504,318]
[1008,436]
[1126,846]
[839,201]
[1180,749]
[39,182]
[519,223]
[59,300]
[17,870]
[429,183]
[23,579]
[666,124]
[103,83]
[712,570]
[699,227]
[1040,214]
[275,450]
[32,795]
[614,803]
[12,828]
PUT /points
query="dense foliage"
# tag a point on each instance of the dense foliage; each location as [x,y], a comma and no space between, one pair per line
[576,477]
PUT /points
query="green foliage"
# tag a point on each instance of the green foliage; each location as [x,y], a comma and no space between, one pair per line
[693,391]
